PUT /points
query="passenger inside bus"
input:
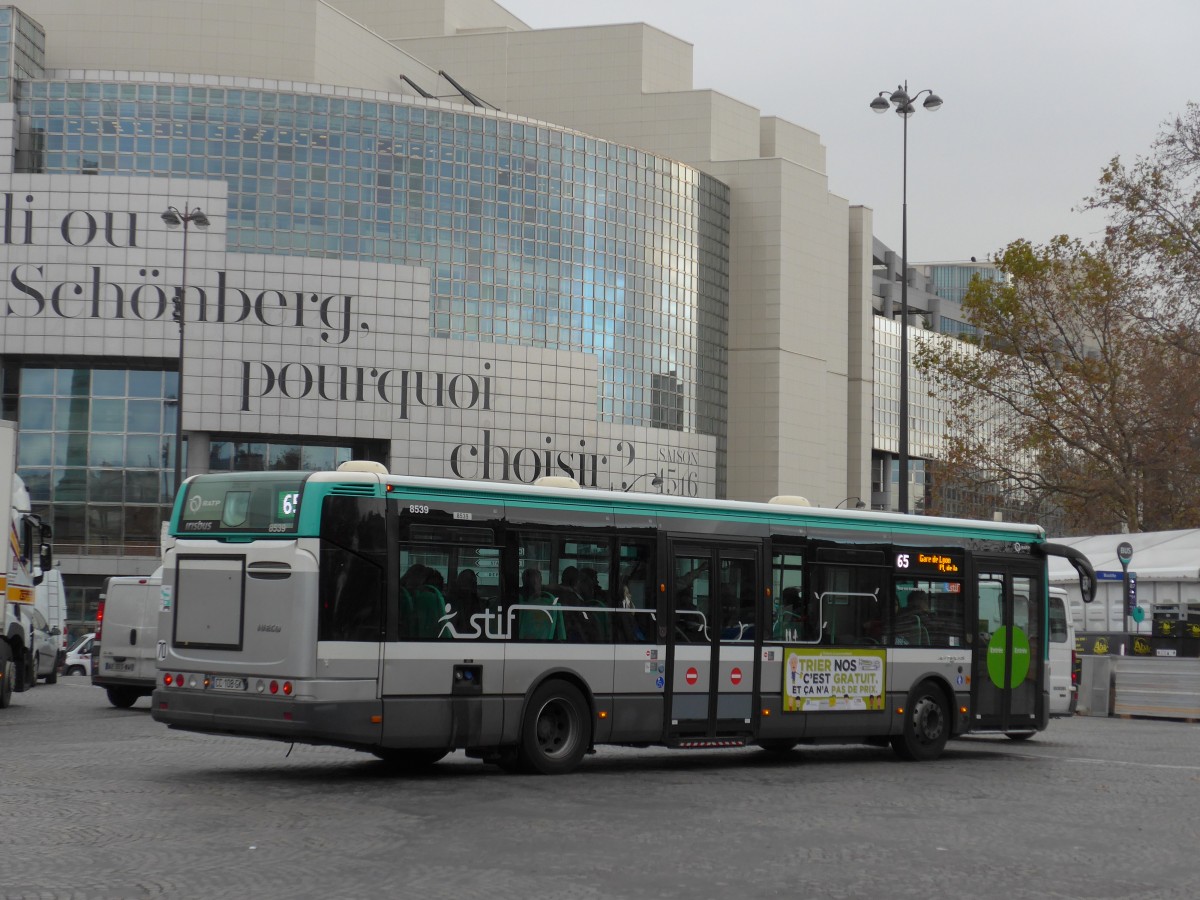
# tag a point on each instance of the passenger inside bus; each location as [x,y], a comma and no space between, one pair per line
[538,624]
[913,620]
[465,598]
[567,588]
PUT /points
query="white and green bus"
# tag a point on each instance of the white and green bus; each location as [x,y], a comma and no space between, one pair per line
[525,625]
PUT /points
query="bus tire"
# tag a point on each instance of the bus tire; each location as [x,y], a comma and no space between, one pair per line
[1019,735]
[555,730]
[122,697]
[926,724]
[778,746]
[8,672]
[410,759]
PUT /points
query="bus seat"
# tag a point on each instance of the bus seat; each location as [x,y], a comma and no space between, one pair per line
[541,625]
[429,606]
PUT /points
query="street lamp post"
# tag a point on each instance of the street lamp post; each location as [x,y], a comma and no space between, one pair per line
[905,106]
[656,481]
[173,219]
[858,503]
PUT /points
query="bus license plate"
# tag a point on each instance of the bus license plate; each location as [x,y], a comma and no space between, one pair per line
[226,683]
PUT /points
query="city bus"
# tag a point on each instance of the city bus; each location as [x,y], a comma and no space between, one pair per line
[526,624]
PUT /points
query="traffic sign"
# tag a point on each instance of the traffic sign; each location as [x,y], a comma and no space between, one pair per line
[1125,552]
[691,676]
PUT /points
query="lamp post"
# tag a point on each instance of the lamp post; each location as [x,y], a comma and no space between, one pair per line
[173,219]
[655,481]
[905,106]
[858,503]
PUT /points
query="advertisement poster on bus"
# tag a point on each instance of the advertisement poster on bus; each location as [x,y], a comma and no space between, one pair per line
[816,680]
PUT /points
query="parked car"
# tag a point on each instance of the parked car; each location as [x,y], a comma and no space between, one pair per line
[42,661]
[79,656]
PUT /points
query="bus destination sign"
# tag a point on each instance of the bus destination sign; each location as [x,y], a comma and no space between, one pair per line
[929,562]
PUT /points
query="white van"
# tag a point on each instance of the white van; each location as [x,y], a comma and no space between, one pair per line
[50,598]
[1064,692]
[127,638]
[79,656]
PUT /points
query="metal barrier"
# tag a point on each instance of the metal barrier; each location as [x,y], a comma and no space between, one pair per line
[1159,688]
[1096,686]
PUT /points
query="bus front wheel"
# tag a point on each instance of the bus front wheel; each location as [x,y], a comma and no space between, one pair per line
[926,724]
[555,731]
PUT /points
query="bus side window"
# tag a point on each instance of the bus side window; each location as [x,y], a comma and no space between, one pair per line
[636,602]
[352,567]
[792,616]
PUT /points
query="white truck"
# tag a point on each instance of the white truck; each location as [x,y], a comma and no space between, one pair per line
[26,554]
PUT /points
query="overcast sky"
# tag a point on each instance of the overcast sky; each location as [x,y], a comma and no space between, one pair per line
[1039,95]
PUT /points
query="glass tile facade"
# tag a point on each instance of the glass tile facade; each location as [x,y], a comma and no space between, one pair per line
[951,280]
[22,50]
[534,235]
[96,452]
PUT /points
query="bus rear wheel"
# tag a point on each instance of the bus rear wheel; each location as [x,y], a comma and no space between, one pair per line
[408,760]
[778,746]
[926,724]
[555,731]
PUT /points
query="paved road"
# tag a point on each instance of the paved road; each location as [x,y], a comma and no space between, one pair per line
[1093,808]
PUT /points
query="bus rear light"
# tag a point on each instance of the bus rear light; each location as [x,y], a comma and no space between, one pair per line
[168,679]
[179,680]
[287,688]
[260,686]
[274,687]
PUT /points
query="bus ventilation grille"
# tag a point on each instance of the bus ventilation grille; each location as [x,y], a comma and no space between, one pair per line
[708,743]
[354,490]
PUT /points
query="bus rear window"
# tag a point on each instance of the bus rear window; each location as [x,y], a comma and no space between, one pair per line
[218,504]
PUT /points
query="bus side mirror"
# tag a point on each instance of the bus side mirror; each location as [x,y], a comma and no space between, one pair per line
[46,557]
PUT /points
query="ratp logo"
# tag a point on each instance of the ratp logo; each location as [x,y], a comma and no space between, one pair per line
[197,503]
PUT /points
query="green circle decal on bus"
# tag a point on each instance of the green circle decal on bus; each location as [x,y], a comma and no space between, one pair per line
[1020,656]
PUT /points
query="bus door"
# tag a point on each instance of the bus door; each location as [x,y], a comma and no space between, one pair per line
[1007,670]
[714,617]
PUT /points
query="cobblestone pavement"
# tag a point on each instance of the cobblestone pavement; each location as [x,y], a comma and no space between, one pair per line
[106,803]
